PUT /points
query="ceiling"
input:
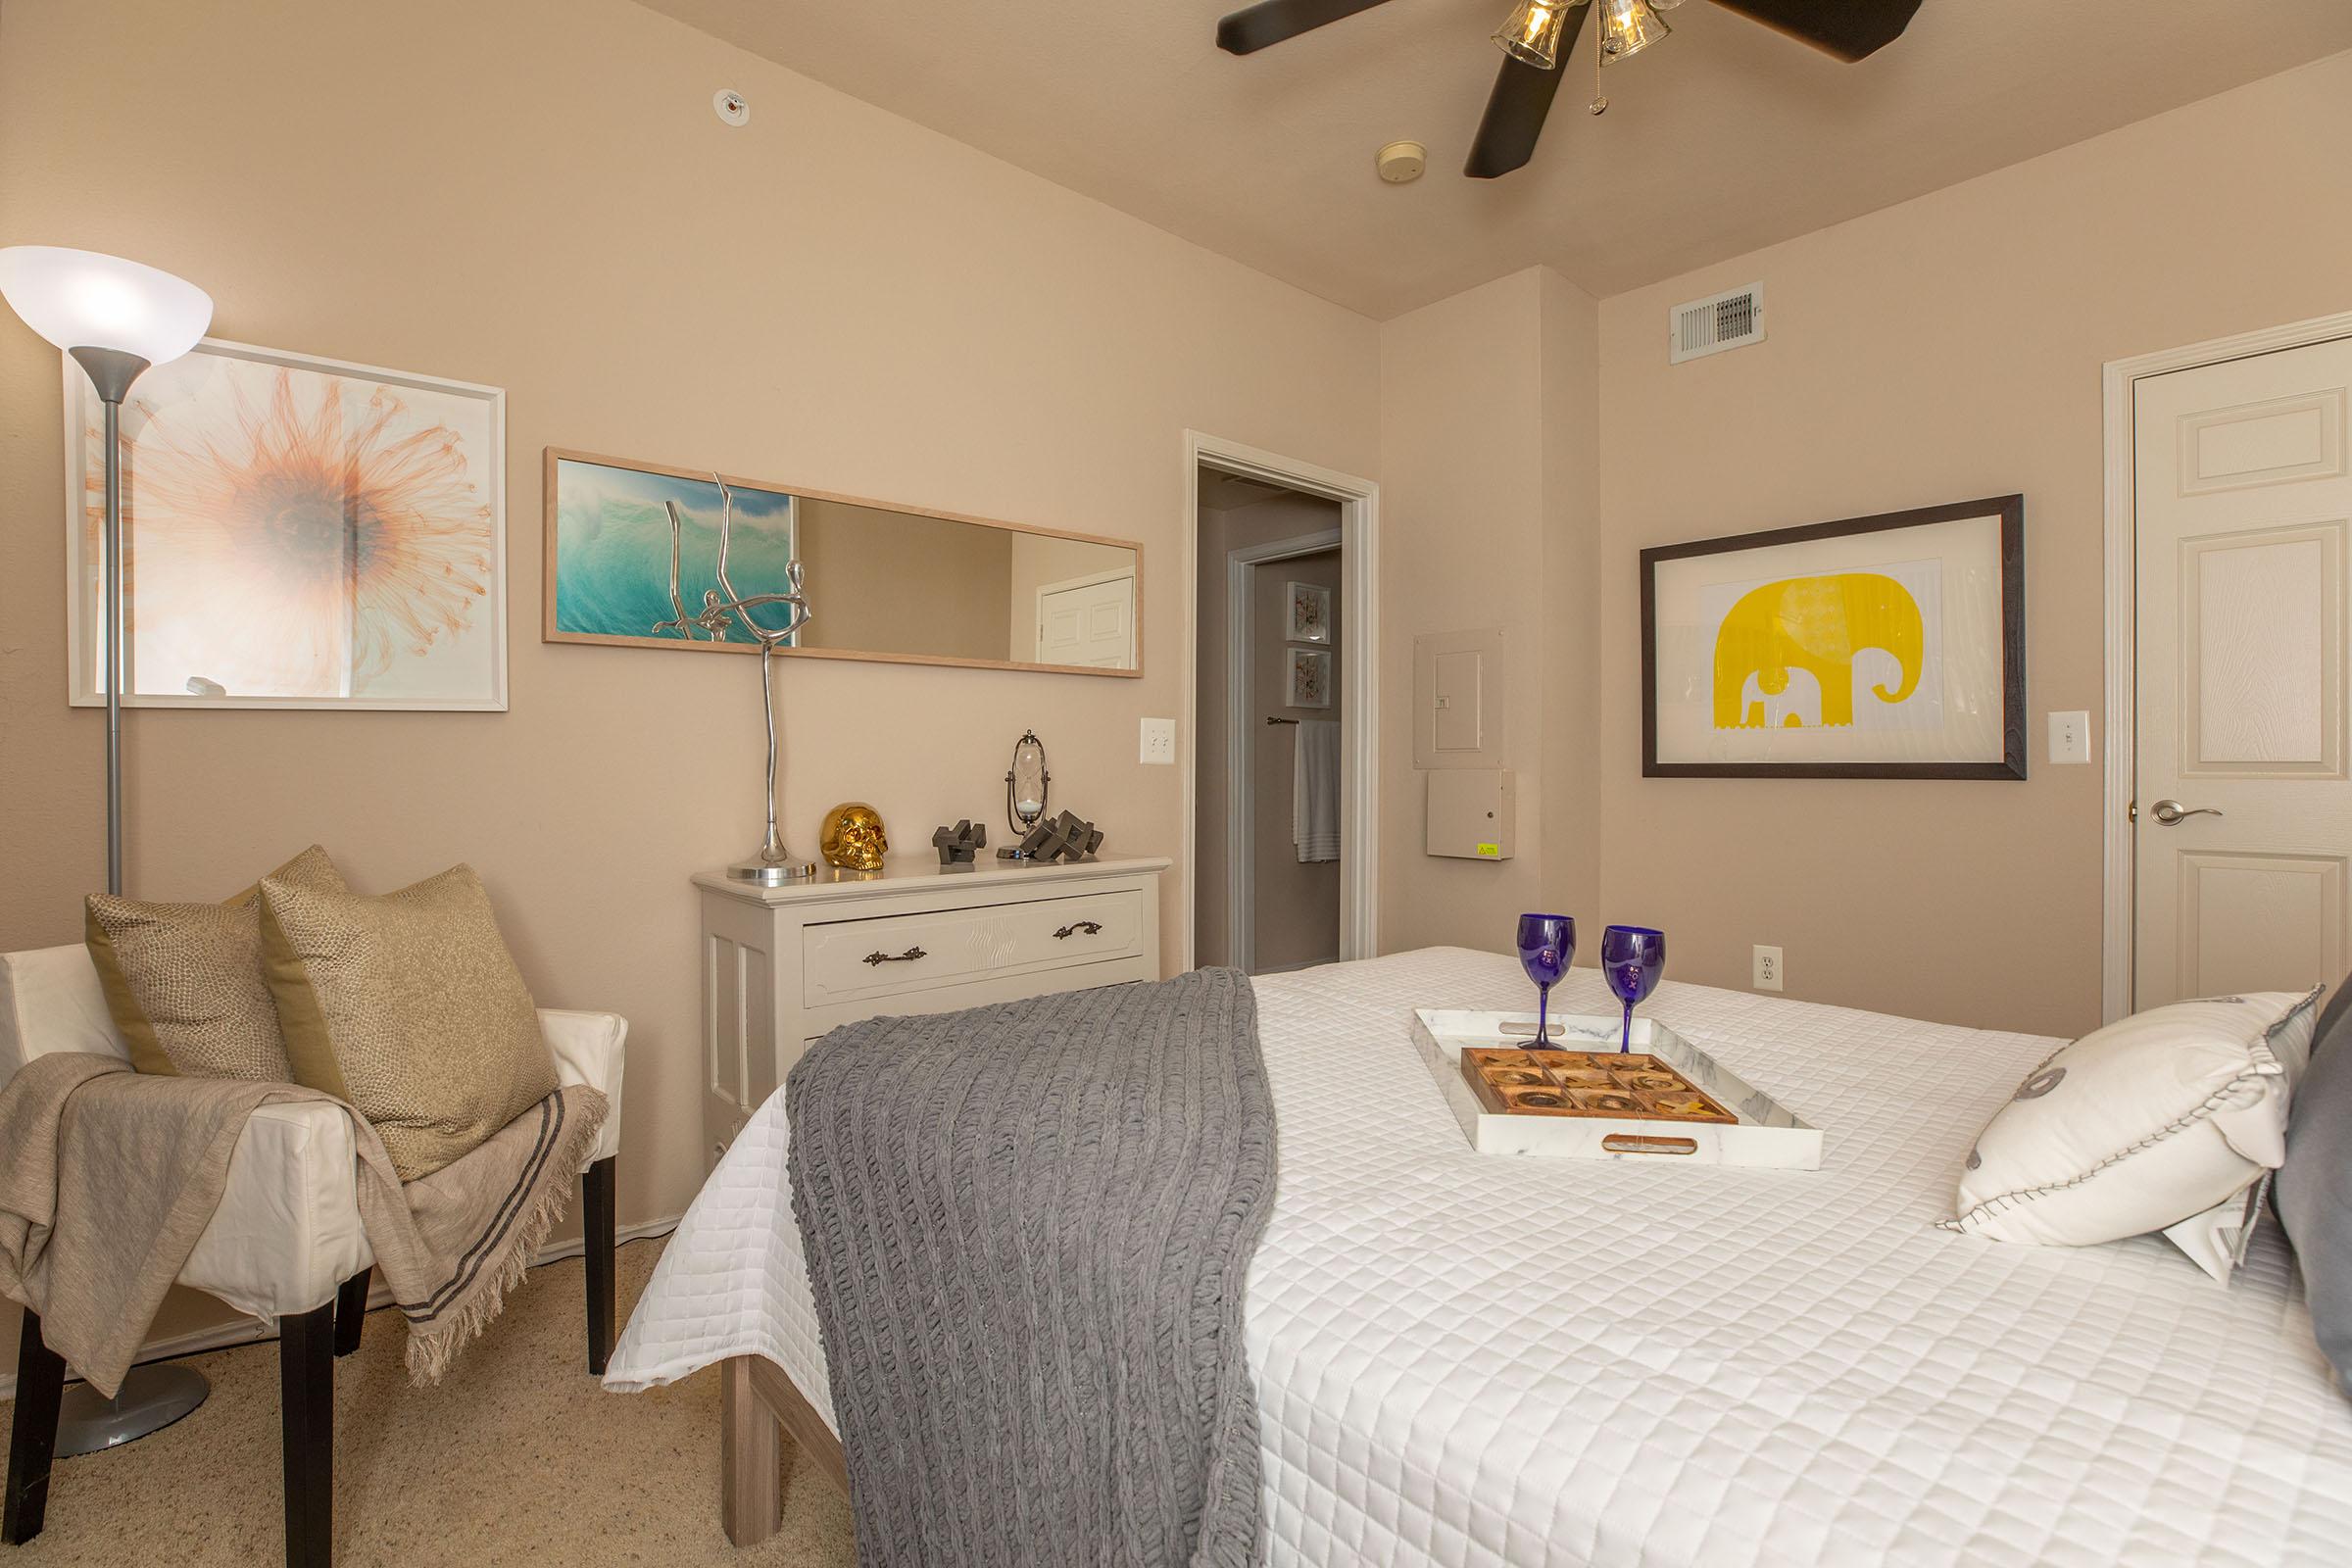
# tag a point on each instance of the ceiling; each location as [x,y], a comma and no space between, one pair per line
[1724,137]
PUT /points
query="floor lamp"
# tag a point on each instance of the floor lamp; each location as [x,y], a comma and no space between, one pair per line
[115,319]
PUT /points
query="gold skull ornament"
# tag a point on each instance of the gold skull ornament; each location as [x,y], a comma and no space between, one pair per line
[854,838]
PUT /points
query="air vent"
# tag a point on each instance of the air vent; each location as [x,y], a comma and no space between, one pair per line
[1717,323]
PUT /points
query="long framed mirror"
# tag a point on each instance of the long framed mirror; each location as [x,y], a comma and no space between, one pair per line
[632,560]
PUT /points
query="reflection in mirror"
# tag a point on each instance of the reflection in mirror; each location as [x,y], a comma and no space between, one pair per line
[884,582]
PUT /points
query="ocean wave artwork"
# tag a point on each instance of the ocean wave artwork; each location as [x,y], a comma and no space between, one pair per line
[611,539]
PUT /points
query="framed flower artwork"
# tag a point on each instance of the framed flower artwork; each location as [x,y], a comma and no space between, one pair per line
[1882,646]
[298,532]
[1310,620]
[1311,678]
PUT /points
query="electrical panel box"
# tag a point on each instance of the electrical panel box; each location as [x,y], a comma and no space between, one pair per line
[1473,812]
[1458,679]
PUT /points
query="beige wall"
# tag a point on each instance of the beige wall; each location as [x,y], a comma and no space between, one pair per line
[536,194]
[896,582]
[1221,530]
[1295,918]
[1942,350]
[1487,512]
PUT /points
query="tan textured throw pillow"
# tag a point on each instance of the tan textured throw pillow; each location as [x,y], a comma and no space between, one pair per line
[409,1006]
[183,981]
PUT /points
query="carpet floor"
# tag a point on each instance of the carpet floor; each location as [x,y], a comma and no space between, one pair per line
[518,1458]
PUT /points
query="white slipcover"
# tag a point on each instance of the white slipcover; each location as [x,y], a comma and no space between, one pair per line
[287,1230]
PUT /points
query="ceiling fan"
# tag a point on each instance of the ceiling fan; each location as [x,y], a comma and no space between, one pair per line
[1540,33]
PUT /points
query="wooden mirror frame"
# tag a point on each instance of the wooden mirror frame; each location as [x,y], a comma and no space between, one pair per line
[550,633]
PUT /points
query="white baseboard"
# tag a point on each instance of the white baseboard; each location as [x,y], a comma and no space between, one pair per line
[250,1330]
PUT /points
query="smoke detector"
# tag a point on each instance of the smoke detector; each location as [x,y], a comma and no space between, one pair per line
[1402,162]
[731,106]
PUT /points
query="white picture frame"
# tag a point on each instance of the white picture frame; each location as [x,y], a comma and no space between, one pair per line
[1311,678]
[1308,617]
[432,632]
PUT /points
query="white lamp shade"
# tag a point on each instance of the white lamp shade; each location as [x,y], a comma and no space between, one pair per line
[83,299]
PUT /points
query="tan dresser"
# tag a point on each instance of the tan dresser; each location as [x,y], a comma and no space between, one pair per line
[783,965]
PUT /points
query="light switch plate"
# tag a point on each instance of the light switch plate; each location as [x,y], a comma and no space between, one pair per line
[1160,742]
[2069,737]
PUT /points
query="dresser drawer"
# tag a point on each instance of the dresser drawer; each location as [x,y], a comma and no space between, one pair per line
[855,960]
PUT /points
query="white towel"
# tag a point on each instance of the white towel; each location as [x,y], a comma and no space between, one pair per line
[1315,791]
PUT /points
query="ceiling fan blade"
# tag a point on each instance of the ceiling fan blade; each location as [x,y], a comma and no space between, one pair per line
[1515,118]
[1273,21]
[1850,29]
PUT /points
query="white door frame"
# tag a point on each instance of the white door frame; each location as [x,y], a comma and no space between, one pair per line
[2123,625]
[1242,736]
[1359,702]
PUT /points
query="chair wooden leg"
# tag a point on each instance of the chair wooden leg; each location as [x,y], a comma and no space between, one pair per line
[305,1363]
[32,1441]
[596,1223]
[351,1312]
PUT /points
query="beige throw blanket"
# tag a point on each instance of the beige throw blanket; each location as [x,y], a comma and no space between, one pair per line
[108,1177]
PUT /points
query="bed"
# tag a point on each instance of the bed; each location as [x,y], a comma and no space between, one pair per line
[1479,1360]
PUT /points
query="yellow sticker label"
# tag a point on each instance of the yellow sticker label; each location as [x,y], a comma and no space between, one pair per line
[1489,852]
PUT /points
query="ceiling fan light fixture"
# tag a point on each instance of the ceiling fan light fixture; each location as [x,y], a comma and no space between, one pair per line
[1626,27]
[1531,34]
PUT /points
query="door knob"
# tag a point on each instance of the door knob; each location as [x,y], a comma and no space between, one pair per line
[2172,814]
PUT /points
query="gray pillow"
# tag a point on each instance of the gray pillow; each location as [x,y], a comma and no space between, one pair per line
[2314,1188]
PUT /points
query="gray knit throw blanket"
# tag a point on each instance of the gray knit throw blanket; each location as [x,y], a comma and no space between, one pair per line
[1028,1227]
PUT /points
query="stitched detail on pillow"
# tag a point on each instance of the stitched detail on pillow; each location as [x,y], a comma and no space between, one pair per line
[2241,1091]
[2226,1097]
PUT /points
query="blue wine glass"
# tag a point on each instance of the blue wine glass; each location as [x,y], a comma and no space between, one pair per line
[1634,958]
[1547,946]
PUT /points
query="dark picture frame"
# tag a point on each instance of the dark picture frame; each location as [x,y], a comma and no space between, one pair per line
[2010,509]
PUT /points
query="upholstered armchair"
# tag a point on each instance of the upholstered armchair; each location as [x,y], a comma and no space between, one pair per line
[286,1243]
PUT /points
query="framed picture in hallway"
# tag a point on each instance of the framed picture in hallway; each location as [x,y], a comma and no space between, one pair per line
[1311,678]
[1310,615]
[1882,646]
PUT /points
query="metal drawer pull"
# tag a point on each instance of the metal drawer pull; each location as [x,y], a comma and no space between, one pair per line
[1629,1143]
[1092,928]
[909,956]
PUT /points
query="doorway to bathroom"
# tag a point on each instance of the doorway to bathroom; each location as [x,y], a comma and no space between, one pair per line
[1277,765]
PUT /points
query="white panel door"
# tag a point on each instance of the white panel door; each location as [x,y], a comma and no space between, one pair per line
[2243,826]
[1089,622]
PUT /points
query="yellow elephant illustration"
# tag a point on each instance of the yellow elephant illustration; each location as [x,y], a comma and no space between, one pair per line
[1814,624]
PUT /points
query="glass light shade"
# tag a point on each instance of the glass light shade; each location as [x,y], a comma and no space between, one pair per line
[83,299]
[1662,5]
[1531,34]
[1626,27]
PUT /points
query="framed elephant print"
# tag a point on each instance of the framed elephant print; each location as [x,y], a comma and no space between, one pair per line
[1886,646]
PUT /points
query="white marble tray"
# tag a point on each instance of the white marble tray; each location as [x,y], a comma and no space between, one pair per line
[1768,1133]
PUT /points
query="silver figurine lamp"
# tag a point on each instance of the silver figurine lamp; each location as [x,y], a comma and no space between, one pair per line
[773,865]
[117,318]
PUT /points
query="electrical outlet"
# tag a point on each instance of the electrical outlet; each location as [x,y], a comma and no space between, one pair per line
[1160,742]
[1768,969]
[2069,737]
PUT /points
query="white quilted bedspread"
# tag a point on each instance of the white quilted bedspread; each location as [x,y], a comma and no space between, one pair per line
[1477,1361]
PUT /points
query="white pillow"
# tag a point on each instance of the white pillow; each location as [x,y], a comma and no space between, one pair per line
[2167,1114]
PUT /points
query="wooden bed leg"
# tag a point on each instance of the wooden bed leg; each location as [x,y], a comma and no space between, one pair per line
[751,1459]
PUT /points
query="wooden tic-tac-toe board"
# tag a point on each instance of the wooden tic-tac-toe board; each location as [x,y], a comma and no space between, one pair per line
[1586,1083]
